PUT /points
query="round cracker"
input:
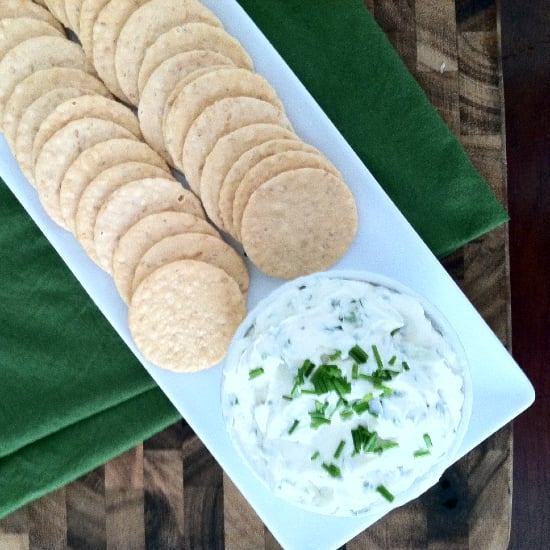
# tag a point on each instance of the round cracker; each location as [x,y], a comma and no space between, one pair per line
[184,315]
[106,29]
[14,30]
[270,167]
[143,235]
[98,190]
[89,13]
[57,8]
[159,87]
[130,202]
[242,165]
[193,246]
[215,121]
[299,222]
[225,153]
[31,120]
[143,27]
[36,85]
[60,151]
[192,36]
[27,8]
[34,54]
[72,10]
[95,160]
[85,106]
[170,100]
[206,89]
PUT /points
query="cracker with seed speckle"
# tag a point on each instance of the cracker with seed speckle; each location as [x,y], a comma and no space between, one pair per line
[143,235]
[299,222]
[130,202]
[182,317]
[193,246]
[98,190]
[143,27]
[95,160]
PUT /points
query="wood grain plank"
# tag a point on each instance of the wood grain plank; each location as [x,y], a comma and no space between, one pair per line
[436,35]
[86,513]
[243,528]
[480,90]
[48,521]
[203,503]
[124,501]
[164,497]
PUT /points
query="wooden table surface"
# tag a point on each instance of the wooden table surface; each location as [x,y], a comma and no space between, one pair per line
[170,493]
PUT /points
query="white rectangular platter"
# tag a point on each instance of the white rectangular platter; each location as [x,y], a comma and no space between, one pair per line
[385,243]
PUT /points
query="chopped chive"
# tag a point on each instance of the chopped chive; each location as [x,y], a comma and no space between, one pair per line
[346,413]
[392,360]
[254,373]
[339,449]
[422,452]
[377,357]
[315,455]
[360,406]
[405,365]
[336,355]
[308,367]
[428,441]
[395,331]
[355,371]
[332,469]
[357,353]
[293,427]
[385,493]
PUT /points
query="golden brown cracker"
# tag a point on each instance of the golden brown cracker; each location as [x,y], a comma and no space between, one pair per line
[193,246]
[192,36]
[105,31]
[36,85]
[60,151]
[34,54]
[204,90]
[143,27]
[225,153]
[242,165]
[85,106]
[270,167]
[144,234]
[160,85]
[299,222]
[130,202]
[98,190]
[95,160]
[215,121]
[184,315]
[31,120]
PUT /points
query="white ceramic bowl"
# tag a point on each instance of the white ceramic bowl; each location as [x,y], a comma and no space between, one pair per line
[273,451]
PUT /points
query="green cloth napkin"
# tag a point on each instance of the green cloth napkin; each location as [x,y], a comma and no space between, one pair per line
[72,396]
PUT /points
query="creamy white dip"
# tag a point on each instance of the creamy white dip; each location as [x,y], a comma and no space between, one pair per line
[322,425]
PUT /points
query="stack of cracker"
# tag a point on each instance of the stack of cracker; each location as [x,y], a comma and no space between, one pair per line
[83,151]
[152,140]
